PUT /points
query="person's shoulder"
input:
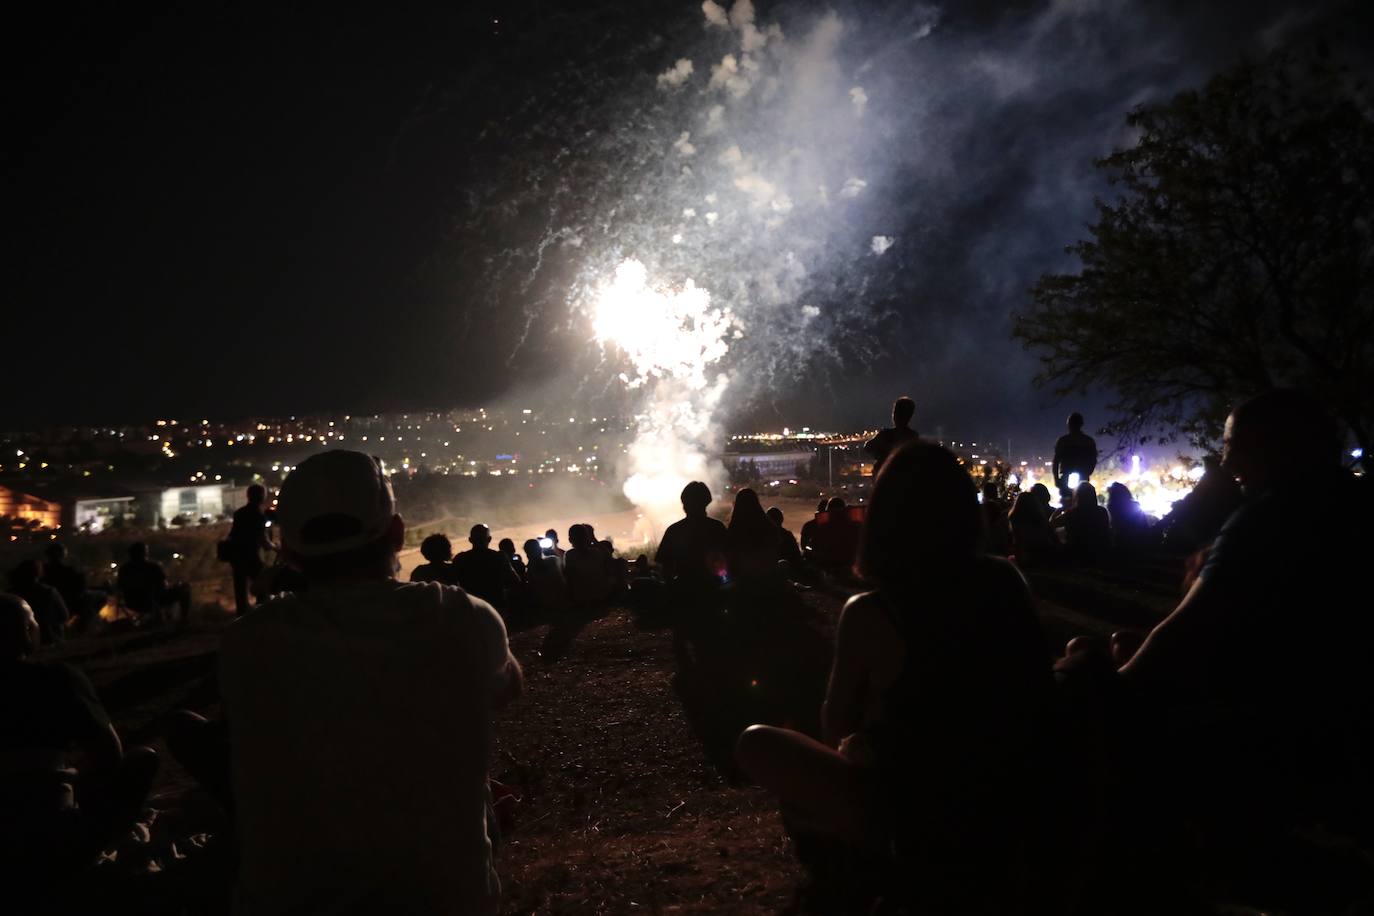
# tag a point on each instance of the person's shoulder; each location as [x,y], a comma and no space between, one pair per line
[1003,572]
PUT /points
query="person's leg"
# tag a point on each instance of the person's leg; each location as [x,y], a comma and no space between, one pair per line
[202,748]
[816,786]
[241,576]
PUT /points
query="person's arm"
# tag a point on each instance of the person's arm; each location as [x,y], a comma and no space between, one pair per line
[1092,461]
[842,712]
[874,447]
[1174,654]
[1057,465]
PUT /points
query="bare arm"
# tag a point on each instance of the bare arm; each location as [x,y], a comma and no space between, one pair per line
[1175,652]
[842,713]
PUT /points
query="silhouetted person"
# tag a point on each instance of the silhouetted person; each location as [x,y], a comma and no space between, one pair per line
[247,541]
[1029,522]
[836,537]
[938,698]
[1196,518]
[555,550]
[547,590]
[506,547]
[1130,524]
[143,587]
[482,571]
[587,569]
[808,530]
[438,552]
[1087,527]
[693,549]
[1075,452]
[70,583]
[889,438]
[1262,670]
[995,511]
[57,818]
[26,581]
[788,548]
[751,540]
[359,717]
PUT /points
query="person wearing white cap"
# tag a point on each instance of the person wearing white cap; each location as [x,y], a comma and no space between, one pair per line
[359,717]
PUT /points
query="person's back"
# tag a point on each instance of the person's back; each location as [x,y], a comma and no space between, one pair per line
[69,582]
[693,548]
[751,541]
[438,554]
[51,611]
[141,583]
[586,568]
[891,438]
[482,571]
[360,727]
[246,533]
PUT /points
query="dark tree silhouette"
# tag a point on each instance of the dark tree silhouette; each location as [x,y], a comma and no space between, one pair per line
[1238,255]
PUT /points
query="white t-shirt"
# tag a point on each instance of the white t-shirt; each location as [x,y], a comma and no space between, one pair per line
[360,719]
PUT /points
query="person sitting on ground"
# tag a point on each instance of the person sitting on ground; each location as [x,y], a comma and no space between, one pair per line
[1196,518]
[335,695]
[482,571]
[1042,495]
[789,550]
[26,581]
[590,579]
[438,552]
[692,551]
[1258,713]
[57,816]
[1087,527]
[1129,523]
[807,540]
[143,587]
[891,437]
[995,511]
[248,538]
[1029,523]
[70,583]
[836,537]
[506,547]
[1075,452]
[546,588]
[555,550]
[938,698]
[751,541]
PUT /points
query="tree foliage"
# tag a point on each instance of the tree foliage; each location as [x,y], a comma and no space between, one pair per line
[1237,255]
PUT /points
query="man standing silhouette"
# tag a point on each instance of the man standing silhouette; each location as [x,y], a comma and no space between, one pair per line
[1075,452]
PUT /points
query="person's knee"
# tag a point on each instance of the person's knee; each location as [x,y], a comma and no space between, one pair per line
[755,747]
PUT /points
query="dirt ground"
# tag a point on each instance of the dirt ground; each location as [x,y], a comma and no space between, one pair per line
[620,749]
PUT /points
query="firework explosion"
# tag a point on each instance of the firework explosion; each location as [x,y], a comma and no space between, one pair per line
[713,270]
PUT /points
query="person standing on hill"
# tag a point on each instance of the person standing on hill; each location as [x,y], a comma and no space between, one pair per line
[247,540]
[1075,452]
[889,438]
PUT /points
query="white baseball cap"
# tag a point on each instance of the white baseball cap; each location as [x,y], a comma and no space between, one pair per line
[334,502]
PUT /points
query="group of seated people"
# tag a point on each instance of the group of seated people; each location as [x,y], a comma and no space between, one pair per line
[547,580]
[58,593]
[1241,724]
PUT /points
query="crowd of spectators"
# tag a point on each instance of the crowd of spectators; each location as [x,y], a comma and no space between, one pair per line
[933,781]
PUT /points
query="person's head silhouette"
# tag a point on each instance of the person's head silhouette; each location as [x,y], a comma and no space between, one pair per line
[696,496]
[1279,436]
[256,494]
[1075,422]
[138,551]
[903,409]
[923,517]
[436,549]
[479,536]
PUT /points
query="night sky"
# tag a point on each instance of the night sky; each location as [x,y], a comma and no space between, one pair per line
[227,210]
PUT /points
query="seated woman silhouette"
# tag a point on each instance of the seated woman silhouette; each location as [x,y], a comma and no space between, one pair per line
[751,540]
[937,700]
